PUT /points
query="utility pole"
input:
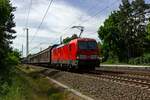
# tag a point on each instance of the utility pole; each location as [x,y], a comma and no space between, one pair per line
[27,42]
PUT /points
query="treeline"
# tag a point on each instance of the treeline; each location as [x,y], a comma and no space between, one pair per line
[125,34]
[8,57]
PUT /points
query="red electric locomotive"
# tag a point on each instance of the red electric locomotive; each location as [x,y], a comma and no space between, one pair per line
[80,53]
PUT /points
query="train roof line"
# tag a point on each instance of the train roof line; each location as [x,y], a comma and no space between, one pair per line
[48,48]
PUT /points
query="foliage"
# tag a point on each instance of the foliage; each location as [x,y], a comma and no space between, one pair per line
[15,90]
[124,32]
[148,31]
[14,58]
[141,60]
[68,39]
[109,36]
[26,87]
[6,36]
[147,39]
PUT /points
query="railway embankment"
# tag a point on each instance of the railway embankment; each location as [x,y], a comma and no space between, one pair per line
[97,87]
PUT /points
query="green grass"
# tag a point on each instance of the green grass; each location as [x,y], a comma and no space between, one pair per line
[16,90]
[32,86]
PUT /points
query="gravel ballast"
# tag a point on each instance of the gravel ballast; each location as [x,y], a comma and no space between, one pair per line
[100,89]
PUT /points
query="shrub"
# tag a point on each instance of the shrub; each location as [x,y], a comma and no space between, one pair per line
[13,59]
[143,60]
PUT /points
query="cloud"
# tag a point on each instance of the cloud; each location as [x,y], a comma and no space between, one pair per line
[62,15]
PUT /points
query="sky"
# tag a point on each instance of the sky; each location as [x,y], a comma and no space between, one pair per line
[62,15]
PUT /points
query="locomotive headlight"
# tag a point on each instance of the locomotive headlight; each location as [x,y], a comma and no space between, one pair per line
[94,57]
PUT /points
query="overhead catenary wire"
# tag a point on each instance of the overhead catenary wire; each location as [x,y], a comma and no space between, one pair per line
[97,13]
[75,21]
[36,47]
[71,23]
[82,22]
[36,32]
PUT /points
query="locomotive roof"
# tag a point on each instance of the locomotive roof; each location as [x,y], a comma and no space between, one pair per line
[82,39]
[85,39]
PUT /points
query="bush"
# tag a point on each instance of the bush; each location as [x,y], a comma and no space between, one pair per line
[112,60]
[7,72]
[13,59]
[143,60]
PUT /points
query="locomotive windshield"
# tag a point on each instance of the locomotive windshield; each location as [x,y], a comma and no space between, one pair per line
[88,45]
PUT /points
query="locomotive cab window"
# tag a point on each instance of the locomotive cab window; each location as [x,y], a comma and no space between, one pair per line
[90,45]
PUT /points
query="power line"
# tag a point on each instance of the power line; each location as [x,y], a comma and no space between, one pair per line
[97,13]
[36,47]
[80,17]
[42,20]
[83,15]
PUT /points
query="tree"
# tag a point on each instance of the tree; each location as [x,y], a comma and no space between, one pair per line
[148,31]
[147,40]
[6,36]
[14,57]
[133,26]
[124,32]
[109,36]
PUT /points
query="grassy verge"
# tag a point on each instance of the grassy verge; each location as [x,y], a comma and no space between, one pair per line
[32,86]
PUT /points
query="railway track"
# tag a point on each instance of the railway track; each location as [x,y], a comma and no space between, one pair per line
[125,77]
[120,77]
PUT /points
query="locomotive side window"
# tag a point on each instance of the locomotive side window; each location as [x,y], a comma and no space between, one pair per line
[87,45]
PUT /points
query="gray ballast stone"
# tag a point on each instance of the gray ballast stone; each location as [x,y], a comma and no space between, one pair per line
[100,89]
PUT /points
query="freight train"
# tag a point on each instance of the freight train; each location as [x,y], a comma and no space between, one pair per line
[80,53]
